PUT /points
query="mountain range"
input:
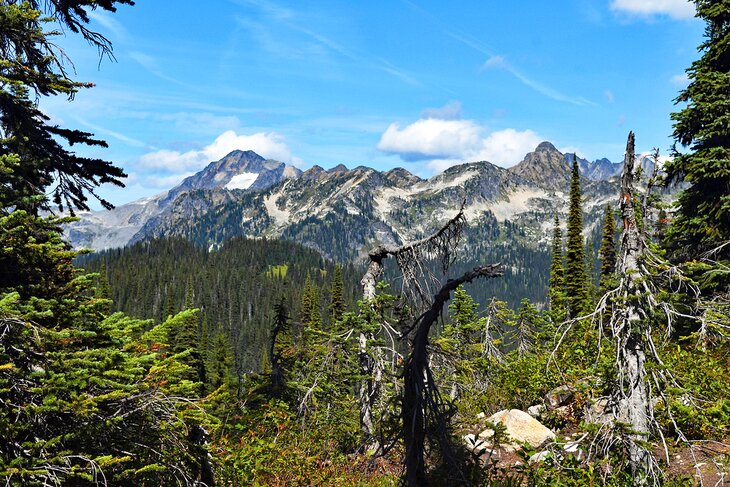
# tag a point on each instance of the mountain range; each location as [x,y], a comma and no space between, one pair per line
[343,213]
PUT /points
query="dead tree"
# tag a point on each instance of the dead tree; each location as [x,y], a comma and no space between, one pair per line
[412,260]
[630,326]
[635,304]
[422,406]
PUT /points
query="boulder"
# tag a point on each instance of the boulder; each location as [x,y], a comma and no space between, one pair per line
[521,428]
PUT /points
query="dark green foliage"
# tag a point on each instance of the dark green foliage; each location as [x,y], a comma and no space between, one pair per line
[576,280]
[82,391]
[556,294]
[33,152]
[337,299]
[526,325]
[702,219]
[607,253]
[103,292]
[219,366]
[235,287]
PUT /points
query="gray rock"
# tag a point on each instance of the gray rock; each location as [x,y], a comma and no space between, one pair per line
[520,427]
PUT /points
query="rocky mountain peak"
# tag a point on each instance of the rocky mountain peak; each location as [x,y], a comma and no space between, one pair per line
[401,177]
[313,172]
[339,168]
[546,147]
[546,167]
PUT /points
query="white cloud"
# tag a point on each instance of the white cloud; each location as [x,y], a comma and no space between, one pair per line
[676,9]
[450,111]
[431,138]
[507,147]
[267,144]
[444,143]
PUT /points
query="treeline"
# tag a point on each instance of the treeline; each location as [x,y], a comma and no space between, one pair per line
[235,287]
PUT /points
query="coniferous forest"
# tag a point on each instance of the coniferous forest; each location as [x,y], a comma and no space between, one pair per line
[263,363]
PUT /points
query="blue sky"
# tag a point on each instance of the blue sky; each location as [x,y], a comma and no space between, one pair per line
[417,84]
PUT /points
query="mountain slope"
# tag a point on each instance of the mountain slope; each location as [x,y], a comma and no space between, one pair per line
[239,170]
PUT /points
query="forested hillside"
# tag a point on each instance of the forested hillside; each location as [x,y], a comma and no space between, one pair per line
[236,287]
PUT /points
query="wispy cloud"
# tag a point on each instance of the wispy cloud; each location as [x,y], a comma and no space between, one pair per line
[676,9]
[293,20]
[450,111]
[499,62]
[496,61]
[109,24]
[112,133]
[151,64]
[679,79]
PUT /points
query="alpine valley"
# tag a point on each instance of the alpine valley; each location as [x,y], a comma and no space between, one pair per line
[343,213]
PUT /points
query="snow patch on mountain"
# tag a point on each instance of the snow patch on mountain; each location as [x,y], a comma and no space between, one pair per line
[242,181]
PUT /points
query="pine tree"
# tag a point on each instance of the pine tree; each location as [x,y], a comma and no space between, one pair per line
[528,322]
[702,219]
[557,298]
[103,292]
[315,317]
[305,312]
[279,330]
[219,367]
[184,337]
[33,152]
[576,280]
[607,254]
[337,300]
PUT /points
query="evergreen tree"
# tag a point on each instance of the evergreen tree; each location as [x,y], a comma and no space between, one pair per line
[33,152]
[702,219]
[278,332]
[337,300]
[315,317]
[576,280]
[557,297]
[184,337]
[528,321]
[219,366]
[103,292]
[607,254]
[305,312]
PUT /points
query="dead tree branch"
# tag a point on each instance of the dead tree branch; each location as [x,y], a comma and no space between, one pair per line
[422,405]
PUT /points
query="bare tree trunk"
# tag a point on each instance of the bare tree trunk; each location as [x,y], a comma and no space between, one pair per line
[410,258]
[632,395]
[370,385]
[421,399]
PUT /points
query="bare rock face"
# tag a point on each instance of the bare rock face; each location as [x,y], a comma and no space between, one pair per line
[521,428]
[545,165]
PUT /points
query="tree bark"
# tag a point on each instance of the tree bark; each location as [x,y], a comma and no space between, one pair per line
[631,328]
